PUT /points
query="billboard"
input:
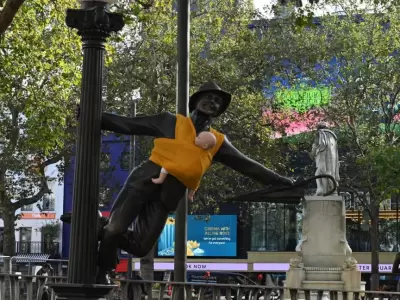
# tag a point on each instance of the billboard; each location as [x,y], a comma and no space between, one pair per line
[302,99]
[208,236]
[295,110]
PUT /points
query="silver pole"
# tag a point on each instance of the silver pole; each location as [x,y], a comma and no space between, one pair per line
[183,42]
[132,154]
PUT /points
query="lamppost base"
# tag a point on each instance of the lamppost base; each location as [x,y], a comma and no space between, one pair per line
[68,291]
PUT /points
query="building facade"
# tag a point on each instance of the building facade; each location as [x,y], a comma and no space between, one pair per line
[38,230]
[114,168]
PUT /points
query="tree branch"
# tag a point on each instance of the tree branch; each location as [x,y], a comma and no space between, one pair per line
[8,12]
[44,189]
[14,132]
[144,4]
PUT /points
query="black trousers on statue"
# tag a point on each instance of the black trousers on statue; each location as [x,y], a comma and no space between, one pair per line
[144,204]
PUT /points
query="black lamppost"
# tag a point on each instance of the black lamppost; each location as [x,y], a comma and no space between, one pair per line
[94,23]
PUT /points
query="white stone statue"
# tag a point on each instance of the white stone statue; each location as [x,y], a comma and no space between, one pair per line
[326,156]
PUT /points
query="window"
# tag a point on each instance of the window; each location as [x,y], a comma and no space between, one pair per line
[395,202]
[48,202]
[25,237]
[27,207]
[125,160]
[105,160]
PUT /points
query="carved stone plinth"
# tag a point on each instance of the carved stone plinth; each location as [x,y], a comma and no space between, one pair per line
[324,259]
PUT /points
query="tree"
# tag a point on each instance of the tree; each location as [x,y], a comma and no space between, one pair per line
[355,54]
[40,73]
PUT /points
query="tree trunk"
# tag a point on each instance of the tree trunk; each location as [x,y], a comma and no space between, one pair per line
[8,233]
[147,268]
[374,246]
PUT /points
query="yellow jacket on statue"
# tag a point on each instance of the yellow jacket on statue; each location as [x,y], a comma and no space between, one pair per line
[181,157]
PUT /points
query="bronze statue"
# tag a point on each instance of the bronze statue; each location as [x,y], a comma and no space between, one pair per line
[146,204]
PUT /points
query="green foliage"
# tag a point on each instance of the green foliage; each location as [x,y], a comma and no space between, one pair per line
[383,166]
[363,43]
[52,230]
[365,88]
[40,76]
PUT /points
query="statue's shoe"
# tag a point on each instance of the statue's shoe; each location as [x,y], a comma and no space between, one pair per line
[66,218]
[103,277]
[101,221]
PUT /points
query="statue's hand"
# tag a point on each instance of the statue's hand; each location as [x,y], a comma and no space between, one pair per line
[287,181]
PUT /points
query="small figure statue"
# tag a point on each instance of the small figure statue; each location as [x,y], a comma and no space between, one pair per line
[181,158]
[326,156]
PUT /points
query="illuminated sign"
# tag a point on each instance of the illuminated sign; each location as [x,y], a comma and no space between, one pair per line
[271,267]
[365,268]
[46,216]
[214,236]
[159,266]
[303,99]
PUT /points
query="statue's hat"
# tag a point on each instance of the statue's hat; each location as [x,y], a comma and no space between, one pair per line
[210,87]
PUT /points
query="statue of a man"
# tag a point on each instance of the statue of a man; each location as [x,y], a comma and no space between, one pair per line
[326,156]
[146,204]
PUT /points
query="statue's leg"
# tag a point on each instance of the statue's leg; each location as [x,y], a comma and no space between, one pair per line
[147,226]
[142,173]
[113,235]
[150,222]
[138,180]
[137,191]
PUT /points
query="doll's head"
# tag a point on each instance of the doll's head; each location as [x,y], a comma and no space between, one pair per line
[205,140]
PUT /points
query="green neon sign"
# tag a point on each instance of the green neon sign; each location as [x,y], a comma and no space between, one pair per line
[304,99]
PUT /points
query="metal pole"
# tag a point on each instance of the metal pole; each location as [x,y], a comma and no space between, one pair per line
[132,155]
[183,41]
[94,23]
[397,223]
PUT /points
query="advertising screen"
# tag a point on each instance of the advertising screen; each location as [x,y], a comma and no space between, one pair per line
[208,236]
[295,110]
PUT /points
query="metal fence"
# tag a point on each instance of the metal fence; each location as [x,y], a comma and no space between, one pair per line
[21,265]
[25,287]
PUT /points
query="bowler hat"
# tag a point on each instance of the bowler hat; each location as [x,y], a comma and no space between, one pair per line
[210,87]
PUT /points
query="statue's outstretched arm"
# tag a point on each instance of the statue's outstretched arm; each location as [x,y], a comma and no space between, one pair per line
[159,125]
[233,158]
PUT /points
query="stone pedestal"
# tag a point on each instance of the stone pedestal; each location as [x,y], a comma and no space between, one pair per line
[324,259]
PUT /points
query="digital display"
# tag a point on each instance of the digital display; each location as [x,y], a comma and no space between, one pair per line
[207,236]
[302,100]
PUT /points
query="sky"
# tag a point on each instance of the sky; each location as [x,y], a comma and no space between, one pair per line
[260,4]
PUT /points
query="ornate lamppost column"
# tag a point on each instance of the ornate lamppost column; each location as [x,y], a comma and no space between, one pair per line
[94,24]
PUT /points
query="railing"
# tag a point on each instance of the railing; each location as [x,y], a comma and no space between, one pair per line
[25,287]
[37,247]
